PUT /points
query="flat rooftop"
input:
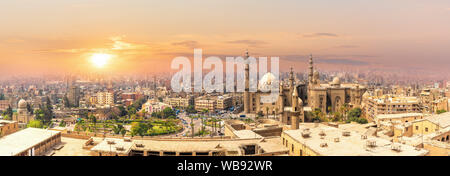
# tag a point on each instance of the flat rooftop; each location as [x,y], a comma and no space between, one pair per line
[398,116]
[22,140]
[443,120]
[246,134]
[352,145]
[113,145]
[268,145]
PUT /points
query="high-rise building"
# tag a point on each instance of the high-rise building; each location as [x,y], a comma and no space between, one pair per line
[105,98]
[74,96]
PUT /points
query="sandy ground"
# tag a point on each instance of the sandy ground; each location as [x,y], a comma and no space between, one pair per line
[72,147]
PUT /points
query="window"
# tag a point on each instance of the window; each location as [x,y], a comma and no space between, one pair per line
[417,127]
[301,152]
[426,129]
[292,147]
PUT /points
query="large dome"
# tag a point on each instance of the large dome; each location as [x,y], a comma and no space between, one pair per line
[336,81]
[265,83]
[22,104]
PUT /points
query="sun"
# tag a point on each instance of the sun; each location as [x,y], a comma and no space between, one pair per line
[100,59]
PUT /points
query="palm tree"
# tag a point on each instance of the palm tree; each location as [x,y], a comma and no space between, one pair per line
[204,111]
[192,125]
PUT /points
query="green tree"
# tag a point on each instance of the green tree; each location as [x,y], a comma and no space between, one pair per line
[441,111]
[35,124]
[117,129]
[138,128]
[354,113]
[168,112]
[123,132]
[191,109]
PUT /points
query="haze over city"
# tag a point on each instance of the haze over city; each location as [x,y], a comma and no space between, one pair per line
[48,37]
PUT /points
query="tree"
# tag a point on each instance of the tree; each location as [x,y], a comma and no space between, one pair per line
[122,111]
[354,113]
[29,109]
[204,111]
[191,110]
[117,129]
[192,125]
[168,112]
[7,117]
[9,111]
[62,123]
[35,124]
[138,128]
[123,132]
[441,111]
[318,115]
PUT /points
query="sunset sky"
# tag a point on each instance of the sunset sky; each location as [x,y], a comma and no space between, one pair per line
[48,36]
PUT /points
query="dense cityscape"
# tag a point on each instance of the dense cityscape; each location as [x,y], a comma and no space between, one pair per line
[314,114]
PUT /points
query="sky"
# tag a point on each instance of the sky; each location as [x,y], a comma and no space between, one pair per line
[49,36]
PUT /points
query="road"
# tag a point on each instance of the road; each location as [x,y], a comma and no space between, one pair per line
[186,122]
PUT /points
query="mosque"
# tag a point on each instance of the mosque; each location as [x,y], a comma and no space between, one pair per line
[23,116]
[296,98]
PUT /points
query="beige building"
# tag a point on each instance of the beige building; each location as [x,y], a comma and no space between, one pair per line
[105,98]
[389,104]
[333,95]
[208,103]
[23,116]
[29,142]
[8,127]
[4,104]
[401,118]
[431,124]
[190,147]
[322,140]
[180,102]
[224,102]
[294,98]
[153,106]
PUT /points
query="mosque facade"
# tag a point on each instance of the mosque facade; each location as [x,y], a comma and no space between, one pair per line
[296,98]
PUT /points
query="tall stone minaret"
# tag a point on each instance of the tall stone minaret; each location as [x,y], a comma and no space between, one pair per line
[291,77]
[311,70]
[247,85]
[295,109]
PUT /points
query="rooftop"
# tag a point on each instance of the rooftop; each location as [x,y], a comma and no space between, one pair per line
[268,145]
[351,145]
[20,141]
[443,120]
[398,116]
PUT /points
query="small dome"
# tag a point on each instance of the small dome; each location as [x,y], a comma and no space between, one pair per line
[265,83]
[22,104]
[336,81]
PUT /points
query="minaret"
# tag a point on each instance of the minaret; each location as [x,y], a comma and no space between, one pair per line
[291,77]
[294,100]
[294,111]
[311,69]
[247,85]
